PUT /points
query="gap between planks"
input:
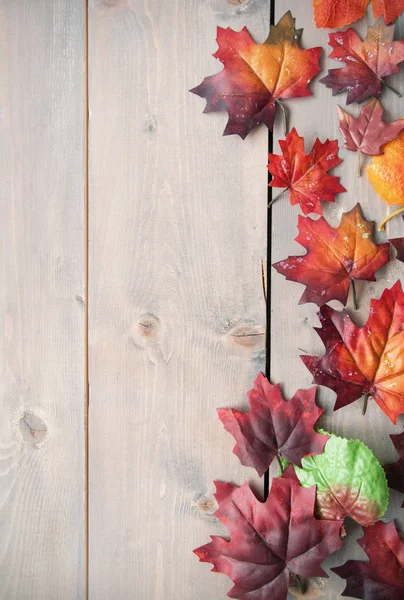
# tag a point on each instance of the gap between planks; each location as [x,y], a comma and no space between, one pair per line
[269,262]
[86,278]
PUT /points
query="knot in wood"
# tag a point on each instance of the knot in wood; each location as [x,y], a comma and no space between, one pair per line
[110,5]
[206,505]
[148,327]
[32,429]
[246,337]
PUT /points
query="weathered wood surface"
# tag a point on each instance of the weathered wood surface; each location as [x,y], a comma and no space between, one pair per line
[41,346]
[292,331]
[177,233]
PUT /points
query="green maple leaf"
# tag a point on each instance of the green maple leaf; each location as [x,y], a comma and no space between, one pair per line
[350,481]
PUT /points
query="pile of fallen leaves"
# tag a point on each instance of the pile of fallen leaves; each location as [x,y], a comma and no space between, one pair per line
[323,479]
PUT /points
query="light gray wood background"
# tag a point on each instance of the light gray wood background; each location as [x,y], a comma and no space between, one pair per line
[177,231]
[42,454]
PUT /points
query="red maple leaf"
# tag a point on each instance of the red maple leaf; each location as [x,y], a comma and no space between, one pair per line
[256,76]
[305,175]
[395,471]
[398,244]
[382,578]
[368,132]
[364,360]
[367,63]
[338,13]
[274,427]
[270,542]
[335,257]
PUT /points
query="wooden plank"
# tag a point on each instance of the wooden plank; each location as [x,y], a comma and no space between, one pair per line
[292,331]
[41,298]
[177,232]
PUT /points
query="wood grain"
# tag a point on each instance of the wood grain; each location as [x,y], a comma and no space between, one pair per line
[41,299]
[292,331]
[177,217]
[177,232]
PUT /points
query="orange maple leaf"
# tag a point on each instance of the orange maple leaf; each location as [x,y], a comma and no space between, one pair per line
[256,76]
[338,13]
[335,257]
[386,172]
[365,360]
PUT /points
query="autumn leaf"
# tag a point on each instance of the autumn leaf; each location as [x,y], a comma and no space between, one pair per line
[274,427]
[388,9]
[256,76]
[316,588]
[398,244]
[364,360]
[338,13]
[386,172]
[367,63]
[395,471]
[335,257]
[270,543]
[350,481]
[305,175]
[382,578]
[368,132]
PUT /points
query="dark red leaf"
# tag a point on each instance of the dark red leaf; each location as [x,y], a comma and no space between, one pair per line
[364,360]
[382,578]
[368,132]
[269,542]
[398,244]
[395,471]
[274,427]
[366,62]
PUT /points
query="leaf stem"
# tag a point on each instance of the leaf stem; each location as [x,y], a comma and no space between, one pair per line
[284,115]
[277,197]
[301,582]
[396,92]
[359,164]
[280,464]
[264,283]
[393,214]
[365,403]
[354,296]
